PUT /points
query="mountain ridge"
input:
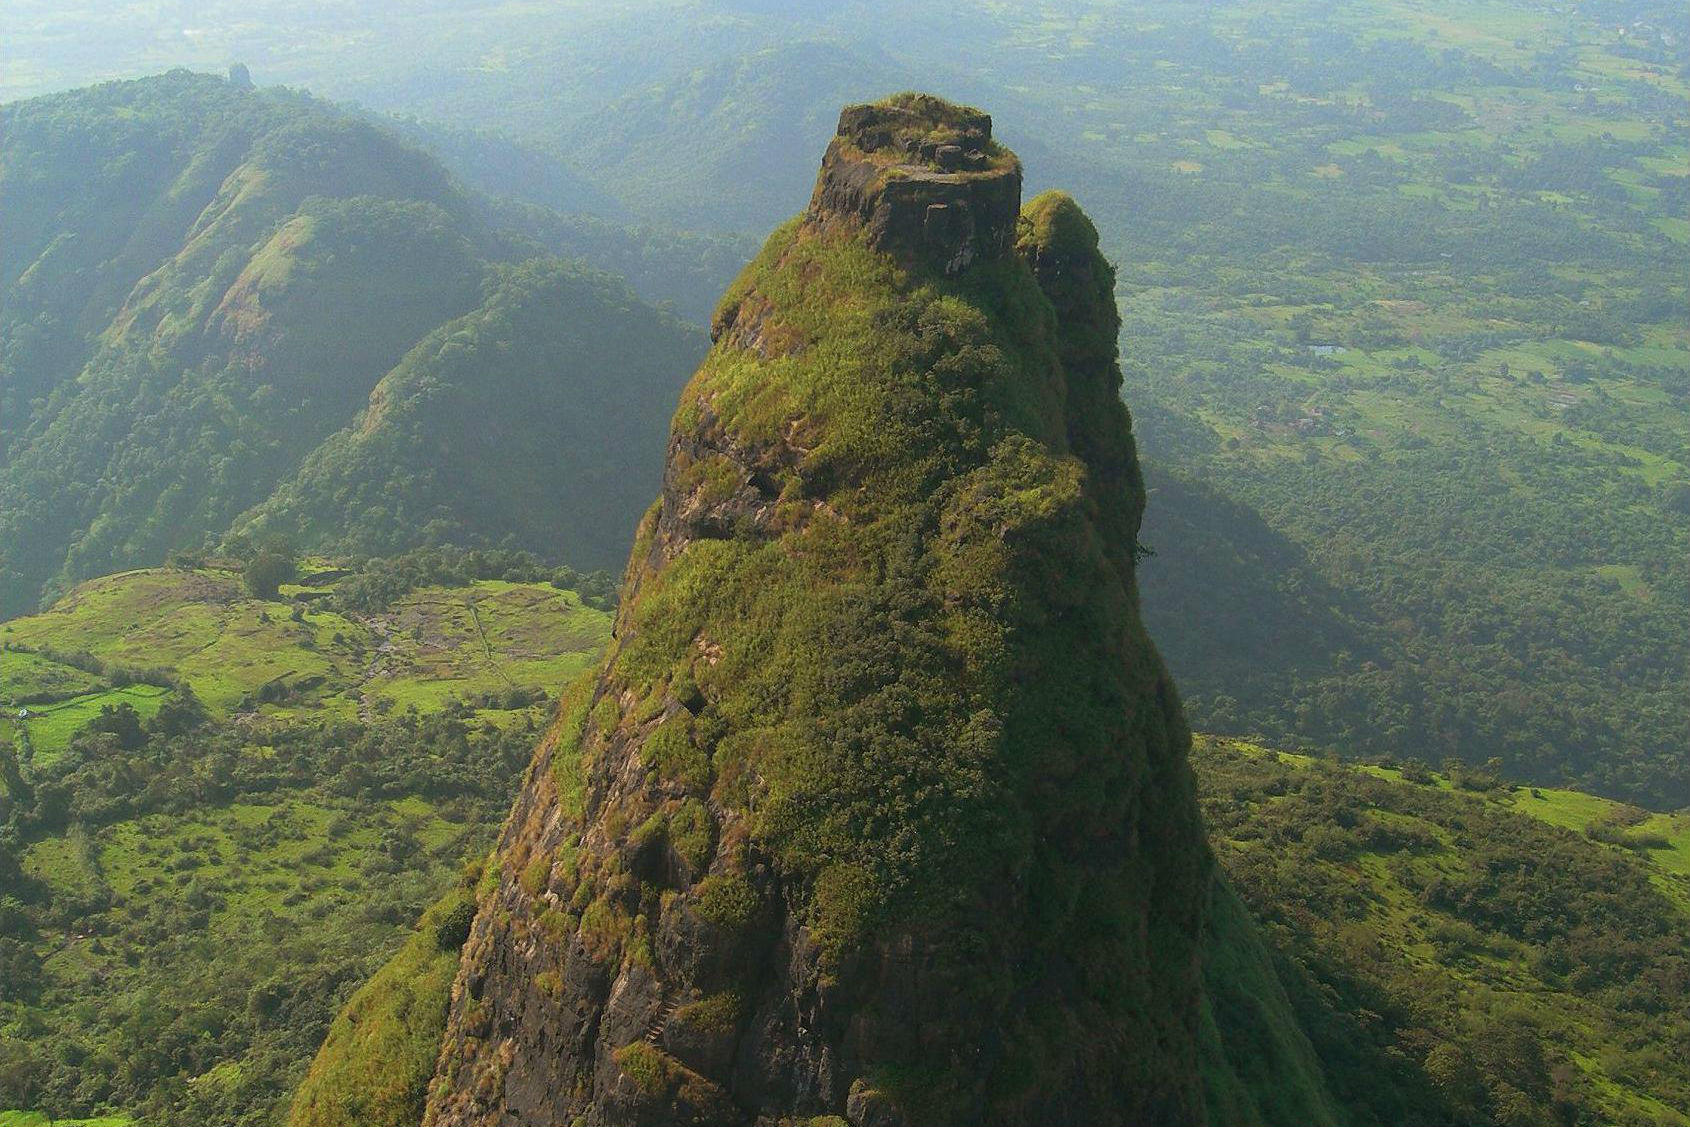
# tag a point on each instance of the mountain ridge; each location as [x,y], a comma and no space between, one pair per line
[210,283]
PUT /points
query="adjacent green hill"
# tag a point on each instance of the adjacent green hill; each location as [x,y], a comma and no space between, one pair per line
[516,422]
[215,293]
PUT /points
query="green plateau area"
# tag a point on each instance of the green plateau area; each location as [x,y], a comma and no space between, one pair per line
[1417,920]
[199,628]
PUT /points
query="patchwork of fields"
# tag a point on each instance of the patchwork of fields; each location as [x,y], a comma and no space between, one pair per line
[292,660]
[298,781]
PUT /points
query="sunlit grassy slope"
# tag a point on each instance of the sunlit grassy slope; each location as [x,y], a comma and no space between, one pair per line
[220,920]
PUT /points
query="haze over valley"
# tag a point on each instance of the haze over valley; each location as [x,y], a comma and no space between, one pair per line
[1162,598]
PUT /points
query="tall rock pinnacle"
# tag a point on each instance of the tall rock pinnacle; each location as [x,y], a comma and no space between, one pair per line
[878,807]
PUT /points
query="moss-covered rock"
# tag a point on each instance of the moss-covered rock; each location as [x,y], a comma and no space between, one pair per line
[1258,1066]
[878,812]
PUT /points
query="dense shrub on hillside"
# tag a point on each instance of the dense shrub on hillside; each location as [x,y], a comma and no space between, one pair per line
[179,1000]
[265,572]
[110,773]
[1451,960]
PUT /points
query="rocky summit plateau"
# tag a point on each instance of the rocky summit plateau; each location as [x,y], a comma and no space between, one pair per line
[923,179]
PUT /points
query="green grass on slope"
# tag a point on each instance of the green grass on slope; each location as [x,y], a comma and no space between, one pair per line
[1660,839]
[51,726]
[27,678]
[373,1068]
[240,923]
[200,626]
[439,643]
[560,376]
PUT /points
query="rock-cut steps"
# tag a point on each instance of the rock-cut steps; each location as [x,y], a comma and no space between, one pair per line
[660,1020]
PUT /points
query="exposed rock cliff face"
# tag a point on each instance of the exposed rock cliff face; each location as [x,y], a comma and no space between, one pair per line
[878,807]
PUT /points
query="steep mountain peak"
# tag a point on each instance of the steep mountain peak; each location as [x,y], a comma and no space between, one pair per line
[877,811]
[924,177]
[878,807]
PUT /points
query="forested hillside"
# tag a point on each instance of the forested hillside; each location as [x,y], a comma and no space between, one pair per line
[473,437]
[210,294]
[1460,950]
[1402,288]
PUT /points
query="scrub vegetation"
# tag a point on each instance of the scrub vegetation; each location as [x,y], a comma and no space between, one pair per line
[222,844]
